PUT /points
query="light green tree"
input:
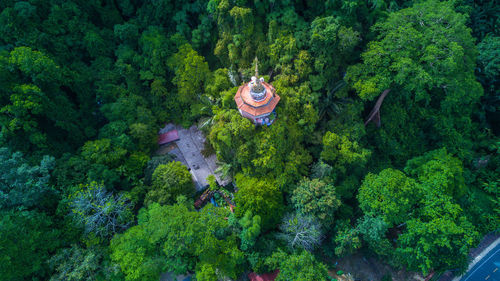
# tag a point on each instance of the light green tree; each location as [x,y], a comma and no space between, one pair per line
[297,266]
[169,181]
[341,152]
[316,198]
[261,197]
[390,195]
[191,72]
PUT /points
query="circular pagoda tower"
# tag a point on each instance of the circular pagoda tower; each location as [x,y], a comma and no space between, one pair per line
[257,99]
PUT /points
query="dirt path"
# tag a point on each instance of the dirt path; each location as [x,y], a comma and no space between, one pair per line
[370,269]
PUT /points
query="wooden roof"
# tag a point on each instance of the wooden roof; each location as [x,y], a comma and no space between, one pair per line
[246,103]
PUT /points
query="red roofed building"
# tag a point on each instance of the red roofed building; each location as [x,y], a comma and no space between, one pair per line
[256,100]
[168,137]
[263,277]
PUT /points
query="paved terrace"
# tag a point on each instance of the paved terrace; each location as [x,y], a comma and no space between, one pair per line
[190,145]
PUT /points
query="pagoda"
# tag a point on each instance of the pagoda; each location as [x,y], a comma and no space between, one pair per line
[257,99]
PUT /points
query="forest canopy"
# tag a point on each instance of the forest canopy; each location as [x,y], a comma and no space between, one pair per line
[385,141]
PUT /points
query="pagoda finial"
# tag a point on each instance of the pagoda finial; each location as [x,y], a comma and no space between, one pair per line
[257,90]
[256,68]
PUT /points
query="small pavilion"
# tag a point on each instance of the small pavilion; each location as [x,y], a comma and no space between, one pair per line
[257,99]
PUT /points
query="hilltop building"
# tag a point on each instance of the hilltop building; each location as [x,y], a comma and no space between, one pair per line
[257,99]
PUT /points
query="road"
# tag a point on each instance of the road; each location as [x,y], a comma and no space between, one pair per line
[487,269]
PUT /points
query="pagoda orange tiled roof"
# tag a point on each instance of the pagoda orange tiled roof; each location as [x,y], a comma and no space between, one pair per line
[246,103]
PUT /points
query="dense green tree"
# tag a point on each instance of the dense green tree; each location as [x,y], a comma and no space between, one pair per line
[439,238]
[169,181]
[332,46]
[346,239]
[342,152]
[191,73]
[261,197]
[487,73]
[439,171]
[250,230]
[177,238]
[22,184]
[79,264]
[426,55]
[27,239]
[35,111]
[373,231]
[90,83]
[298,266]
[390,194]
[231,137]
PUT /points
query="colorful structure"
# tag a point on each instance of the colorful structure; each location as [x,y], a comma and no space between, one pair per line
[257,99]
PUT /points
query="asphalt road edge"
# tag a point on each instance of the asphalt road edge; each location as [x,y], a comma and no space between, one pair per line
[478,258]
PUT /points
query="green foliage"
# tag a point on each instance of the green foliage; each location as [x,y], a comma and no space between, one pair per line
[372,228]
[439,238]
[439,171]
[487,73]
[342,152]
[191,72]
[179,239]
[230,136]
[316,198]
[346,240]
[251,230]
[27,239]
[298,266]
[79,264]
[90,83]
[34,111]
[437,234]
[153,164]
[261,198]
[488,57]
[390,195]
[331,45]
[22,184]
[169,181]
[426,55]
[373,231]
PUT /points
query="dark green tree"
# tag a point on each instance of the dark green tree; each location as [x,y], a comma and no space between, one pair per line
[24,185]
[27,240]
[426,55]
